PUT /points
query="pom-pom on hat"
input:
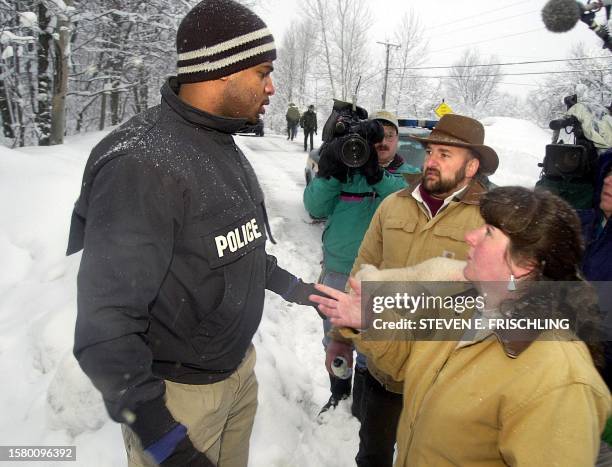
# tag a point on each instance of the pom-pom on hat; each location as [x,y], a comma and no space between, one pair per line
[218,38]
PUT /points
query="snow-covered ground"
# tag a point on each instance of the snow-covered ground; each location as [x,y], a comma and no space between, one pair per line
[47,400]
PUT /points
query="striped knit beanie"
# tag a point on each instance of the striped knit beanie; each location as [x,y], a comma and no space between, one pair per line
[218,38]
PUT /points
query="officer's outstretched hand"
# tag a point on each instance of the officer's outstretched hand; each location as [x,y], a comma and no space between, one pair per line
[301,292]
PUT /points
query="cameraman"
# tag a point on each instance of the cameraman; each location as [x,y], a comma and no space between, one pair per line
[579,113]
[349,198]
[563,174]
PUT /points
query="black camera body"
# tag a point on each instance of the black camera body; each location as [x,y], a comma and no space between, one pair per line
[349,134]
[568,170]
[570,162]
[566,161]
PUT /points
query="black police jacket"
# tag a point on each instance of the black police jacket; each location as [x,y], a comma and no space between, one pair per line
[171,284]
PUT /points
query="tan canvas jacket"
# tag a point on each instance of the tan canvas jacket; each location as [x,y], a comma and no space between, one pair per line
[482,405]
[402,234]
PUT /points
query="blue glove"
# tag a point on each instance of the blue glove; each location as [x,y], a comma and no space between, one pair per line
[292,289]
[175,449]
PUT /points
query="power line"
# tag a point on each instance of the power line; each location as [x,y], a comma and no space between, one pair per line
[520,84]
[501,64]
[479,14]
[509,74]
[488,40]
[505,18]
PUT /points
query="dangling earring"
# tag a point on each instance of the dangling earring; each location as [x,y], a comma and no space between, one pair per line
[512,283]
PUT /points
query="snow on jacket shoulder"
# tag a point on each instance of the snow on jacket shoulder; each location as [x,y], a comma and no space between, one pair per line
[589,124]
[605,129]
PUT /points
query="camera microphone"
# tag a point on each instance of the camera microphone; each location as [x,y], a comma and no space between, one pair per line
[561,15]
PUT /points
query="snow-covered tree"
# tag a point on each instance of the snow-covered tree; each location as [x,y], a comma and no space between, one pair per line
[17,71]
[64,14]
[471,86]
[123,52]
[404,89]
[344,42]
[590,74]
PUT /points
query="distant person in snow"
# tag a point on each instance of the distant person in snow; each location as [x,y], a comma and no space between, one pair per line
[309,123]
[173,227]
[293,120]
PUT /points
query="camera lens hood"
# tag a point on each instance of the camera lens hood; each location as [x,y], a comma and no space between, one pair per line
[354,151]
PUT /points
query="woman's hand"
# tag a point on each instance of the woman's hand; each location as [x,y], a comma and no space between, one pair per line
[342,309]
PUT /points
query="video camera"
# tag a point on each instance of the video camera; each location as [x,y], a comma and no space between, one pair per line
[568,169]
[569,161]
[563,15]
[566,161]
[349,135]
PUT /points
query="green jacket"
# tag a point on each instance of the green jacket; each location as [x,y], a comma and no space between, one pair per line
[293,115]
[349,207]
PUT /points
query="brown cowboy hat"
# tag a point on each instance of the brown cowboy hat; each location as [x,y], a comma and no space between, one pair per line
[464,132]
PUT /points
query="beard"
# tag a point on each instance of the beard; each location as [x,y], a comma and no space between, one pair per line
[237,103]
[441,186]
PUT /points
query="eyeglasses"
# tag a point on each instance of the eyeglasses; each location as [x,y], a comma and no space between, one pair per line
[389,136]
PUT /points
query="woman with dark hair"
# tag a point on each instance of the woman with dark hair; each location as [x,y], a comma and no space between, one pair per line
[500,397]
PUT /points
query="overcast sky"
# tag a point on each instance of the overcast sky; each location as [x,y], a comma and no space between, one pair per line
[511,29]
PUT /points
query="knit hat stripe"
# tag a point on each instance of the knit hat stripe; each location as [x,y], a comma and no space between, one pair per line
[236,50]
[223,46]
[215,65]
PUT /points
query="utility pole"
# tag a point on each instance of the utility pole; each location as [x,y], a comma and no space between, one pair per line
[387,45]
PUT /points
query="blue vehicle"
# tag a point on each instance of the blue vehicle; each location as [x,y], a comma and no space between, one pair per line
[413,151]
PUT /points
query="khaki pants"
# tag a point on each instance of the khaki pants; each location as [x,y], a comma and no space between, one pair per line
[219,417]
